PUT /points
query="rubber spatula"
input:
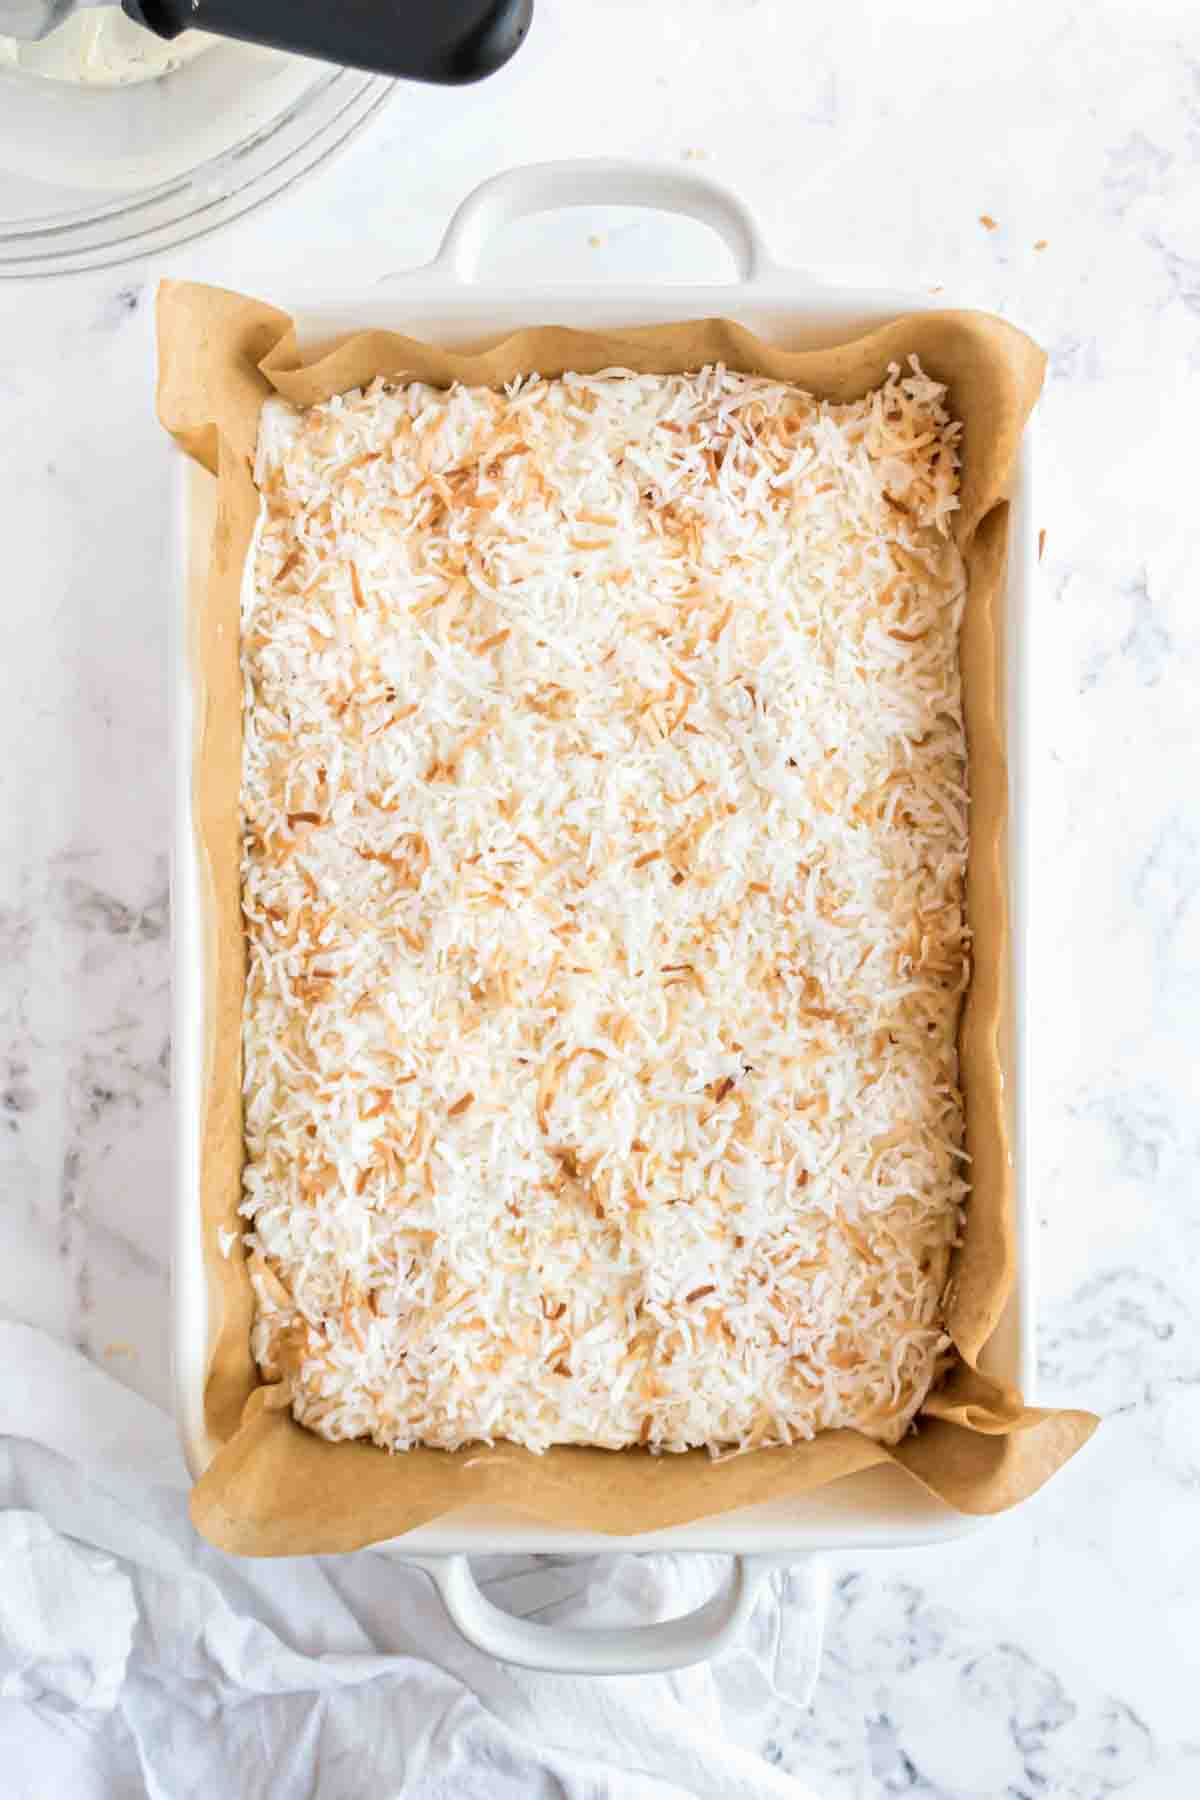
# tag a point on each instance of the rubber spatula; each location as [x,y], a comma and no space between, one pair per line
[447,41]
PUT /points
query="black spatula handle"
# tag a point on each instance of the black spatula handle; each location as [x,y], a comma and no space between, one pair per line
[448,41]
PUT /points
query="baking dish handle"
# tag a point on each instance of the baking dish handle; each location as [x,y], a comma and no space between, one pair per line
[625,1650]
[599,181]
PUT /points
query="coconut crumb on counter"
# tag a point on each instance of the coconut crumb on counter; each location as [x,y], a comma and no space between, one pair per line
[605,828]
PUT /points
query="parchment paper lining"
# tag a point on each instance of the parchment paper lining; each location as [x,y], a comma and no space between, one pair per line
[274,1488]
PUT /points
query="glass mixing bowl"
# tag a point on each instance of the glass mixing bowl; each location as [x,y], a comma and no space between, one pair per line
[91,176]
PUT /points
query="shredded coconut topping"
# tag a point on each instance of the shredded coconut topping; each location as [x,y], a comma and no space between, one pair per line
[605,828]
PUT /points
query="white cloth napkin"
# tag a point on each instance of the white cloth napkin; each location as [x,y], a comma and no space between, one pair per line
[135,1660]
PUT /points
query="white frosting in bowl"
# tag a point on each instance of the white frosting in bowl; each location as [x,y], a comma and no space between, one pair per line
[102,48]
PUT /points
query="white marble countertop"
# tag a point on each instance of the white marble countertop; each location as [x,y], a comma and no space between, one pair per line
[1056,1653]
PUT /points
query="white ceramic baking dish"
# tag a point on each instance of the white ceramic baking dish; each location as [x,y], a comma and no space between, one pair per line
[445,302]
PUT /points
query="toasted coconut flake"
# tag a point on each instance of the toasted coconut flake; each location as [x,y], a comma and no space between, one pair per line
[692,1144]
